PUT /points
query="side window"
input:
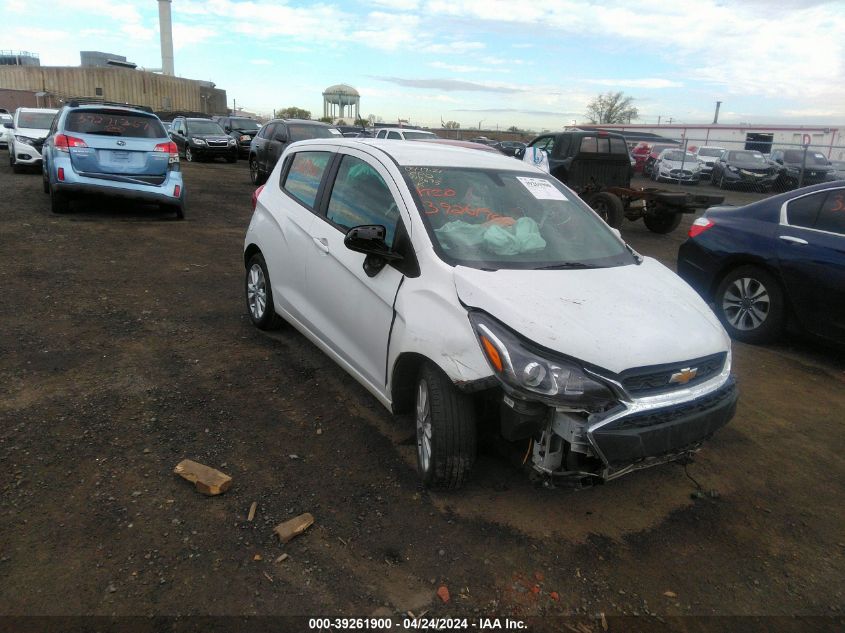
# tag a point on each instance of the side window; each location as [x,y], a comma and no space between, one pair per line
[381,134]
[268,130]
[832,215]
[589,145]
[617,146]
[360,196]
[804,211]
[545,143]
[394,135]
[304,176]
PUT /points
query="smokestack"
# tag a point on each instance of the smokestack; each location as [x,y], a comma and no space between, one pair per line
[716,114]
[166,33]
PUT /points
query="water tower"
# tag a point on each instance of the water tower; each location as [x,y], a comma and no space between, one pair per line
[337,98]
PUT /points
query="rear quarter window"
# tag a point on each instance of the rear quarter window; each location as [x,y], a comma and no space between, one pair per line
[804,211]
[109,123]
[304,176]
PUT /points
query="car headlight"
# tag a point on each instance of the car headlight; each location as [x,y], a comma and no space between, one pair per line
[197,141]
[25,139]
[733,169]
[556,381]
[245,137]
[232,141]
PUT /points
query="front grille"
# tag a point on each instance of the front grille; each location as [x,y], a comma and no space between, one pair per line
[669,414]
[647,381]
[37,144]
[217,143]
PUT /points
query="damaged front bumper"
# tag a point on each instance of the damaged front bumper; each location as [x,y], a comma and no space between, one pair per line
[635,434]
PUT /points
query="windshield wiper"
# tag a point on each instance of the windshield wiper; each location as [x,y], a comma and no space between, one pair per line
[566,266]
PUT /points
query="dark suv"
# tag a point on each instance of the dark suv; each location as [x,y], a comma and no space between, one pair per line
[198,139]
[816,168]
[242,129]
[275,136]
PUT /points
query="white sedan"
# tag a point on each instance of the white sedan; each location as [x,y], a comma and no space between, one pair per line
[478,292]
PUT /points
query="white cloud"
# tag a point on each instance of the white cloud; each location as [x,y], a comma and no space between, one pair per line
[636,83]
[261,62]
[457,68]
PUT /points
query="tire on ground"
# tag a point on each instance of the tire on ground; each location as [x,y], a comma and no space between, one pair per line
[268,319]
[609,207]
[755,280]
[453,431]
[662,222]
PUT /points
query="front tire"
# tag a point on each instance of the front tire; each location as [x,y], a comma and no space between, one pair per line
[446,430]
[189,155]
[750,304]
[259,295]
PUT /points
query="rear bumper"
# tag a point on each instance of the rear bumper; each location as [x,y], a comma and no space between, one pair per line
[634,439]
[76,184]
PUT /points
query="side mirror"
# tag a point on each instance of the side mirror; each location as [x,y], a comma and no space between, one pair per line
[519,153]
[227,129]
[369,239]
[779,161]
[10,126]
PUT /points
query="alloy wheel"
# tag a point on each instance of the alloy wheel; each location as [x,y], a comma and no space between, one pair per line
[423,425]
[746,303]
[256,292]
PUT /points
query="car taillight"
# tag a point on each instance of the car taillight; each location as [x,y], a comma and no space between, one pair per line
[63,143]
[169,148]
[61,174]
[699,226]
[255,195]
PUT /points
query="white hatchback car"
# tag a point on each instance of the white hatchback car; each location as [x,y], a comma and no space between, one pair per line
[483,295]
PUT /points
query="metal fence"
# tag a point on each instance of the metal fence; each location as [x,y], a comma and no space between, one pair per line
[750,166]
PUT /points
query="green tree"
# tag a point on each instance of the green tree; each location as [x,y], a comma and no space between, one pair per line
[612,107]
[362,122]
[293,112]
[326,119]
[340,122]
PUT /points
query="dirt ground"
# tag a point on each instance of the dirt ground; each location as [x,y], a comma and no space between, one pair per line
[125,347]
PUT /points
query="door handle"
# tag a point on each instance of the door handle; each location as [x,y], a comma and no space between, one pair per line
[793,240]
[322,243]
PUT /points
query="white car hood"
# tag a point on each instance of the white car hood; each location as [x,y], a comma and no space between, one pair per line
[31,132]
[615,318]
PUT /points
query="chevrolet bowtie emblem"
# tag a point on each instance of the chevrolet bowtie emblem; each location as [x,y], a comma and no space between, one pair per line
[684,376]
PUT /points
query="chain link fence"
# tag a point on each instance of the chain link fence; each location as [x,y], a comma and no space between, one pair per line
[748,166]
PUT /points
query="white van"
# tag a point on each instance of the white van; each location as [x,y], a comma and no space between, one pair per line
[478,292]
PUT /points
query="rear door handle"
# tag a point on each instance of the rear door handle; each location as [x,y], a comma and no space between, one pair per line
[322,243]
[794,240]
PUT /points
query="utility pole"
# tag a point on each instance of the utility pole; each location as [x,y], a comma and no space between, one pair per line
[658,118]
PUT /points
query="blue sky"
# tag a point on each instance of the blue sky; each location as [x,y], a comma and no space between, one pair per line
[495,62]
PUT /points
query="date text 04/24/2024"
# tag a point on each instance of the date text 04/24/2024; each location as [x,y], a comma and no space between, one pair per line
[415,624]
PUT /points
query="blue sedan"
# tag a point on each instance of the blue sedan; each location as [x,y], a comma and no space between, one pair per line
[777,261]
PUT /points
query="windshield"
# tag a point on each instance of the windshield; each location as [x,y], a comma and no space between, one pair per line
[114,123]
[303,132]
[496,219]
[244,124]
[679,156]
[36,120]
[747,157]
[796,156]
[204,127]
[705,151]
[412,135]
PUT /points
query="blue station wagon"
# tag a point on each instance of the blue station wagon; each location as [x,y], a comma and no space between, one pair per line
[111,150]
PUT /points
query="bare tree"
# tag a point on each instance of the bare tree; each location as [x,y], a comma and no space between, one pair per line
[612,107]
[451,125]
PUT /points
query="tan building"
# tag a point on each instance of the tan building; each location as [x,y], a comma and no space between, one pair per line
[160,92]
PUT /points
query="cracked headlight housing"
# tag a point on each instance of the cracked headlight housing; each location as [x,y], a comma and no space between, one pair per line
[534,373]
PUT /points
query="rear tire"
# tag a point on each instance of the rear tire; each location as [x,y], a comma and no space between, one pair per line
[446,430]
[662,222]
[609,207]
[750,304]
[255,174]
[259,295]
[59,203]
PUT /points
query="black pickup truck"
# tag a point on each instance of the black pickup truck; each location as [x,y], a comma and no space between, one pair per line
[597,166]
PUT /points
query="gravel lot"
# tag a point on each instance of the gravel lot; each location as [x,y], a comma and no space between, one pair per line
[125,348]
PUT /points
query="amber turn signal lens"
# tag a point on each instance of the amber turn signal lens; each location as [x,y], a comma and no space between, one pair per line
[492,353]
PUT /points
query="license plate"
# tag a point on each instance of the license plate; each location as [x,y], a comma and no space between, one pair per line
[118,155]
